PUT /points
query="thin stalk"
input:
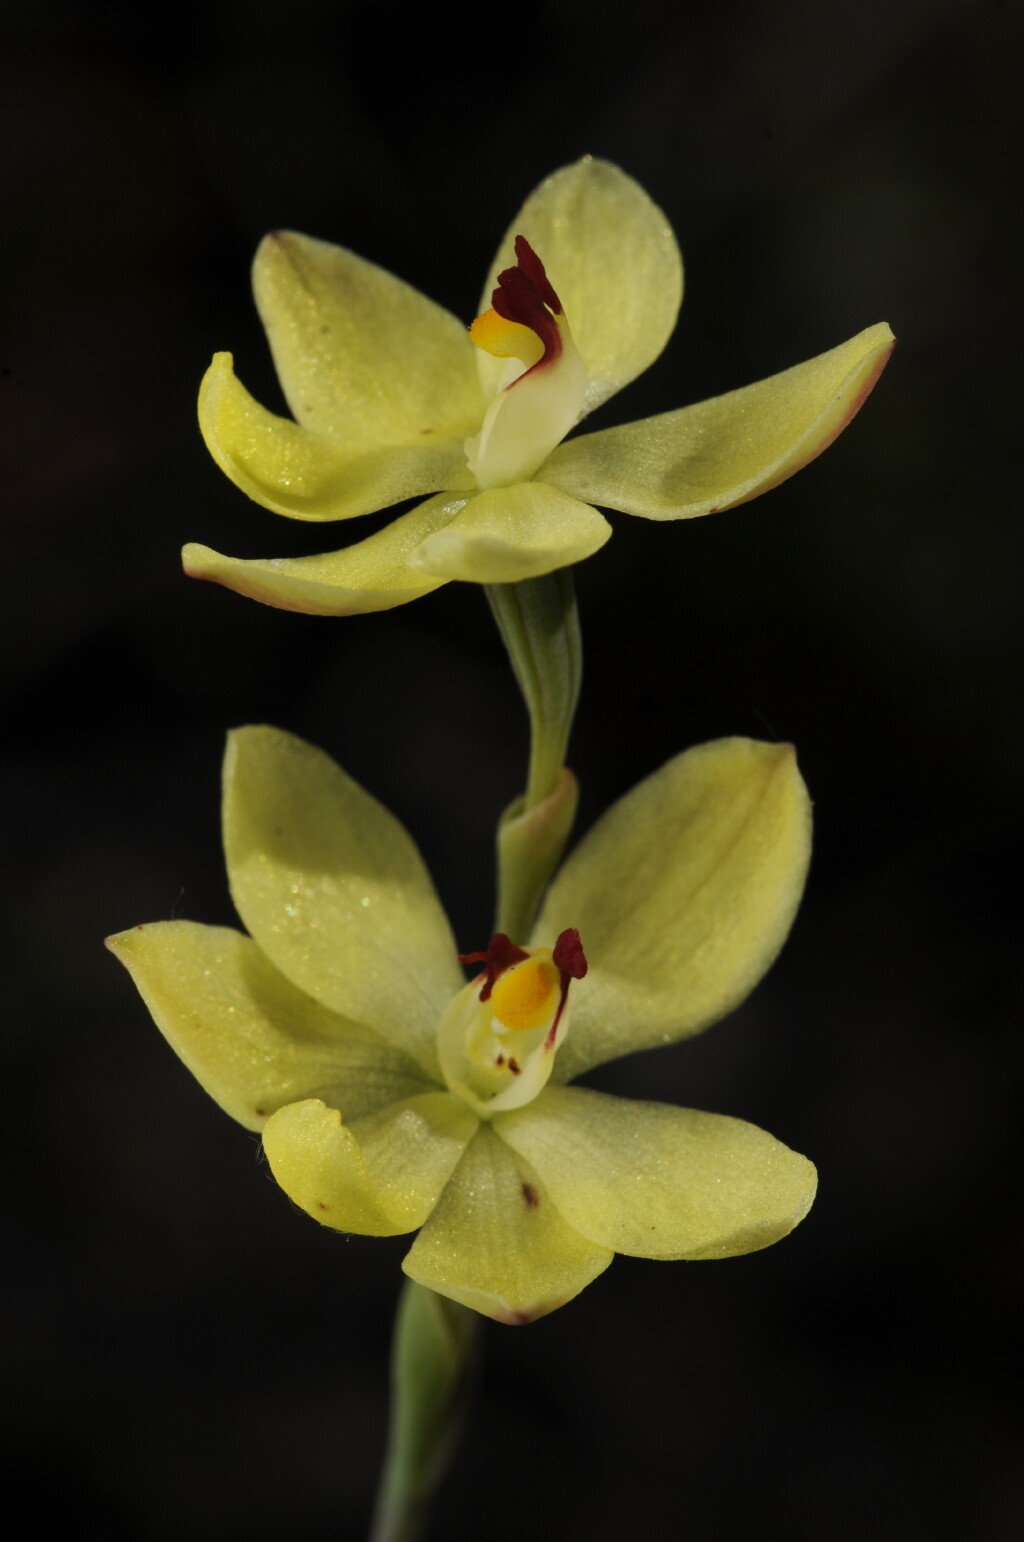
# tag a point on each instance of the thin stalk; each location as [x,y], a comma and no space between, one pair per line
[431,1349]
[539,625]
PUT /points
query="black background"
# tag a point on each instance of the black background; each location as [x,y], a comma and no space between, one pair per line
[190,1355]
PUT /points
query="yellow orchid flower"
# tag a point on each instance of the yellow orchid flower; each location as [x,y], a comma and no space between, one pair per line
[392,400]
[393,1096]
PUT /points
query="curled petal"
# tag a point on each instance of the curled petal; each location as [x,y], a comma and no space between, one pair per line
[334,891]
[510,533]
[311,476]
[730,449]
[250,1037]
[612,259]
[360,355]
[660,1182]
[379,1176]
[375,574]
[498,1244]
[683,893]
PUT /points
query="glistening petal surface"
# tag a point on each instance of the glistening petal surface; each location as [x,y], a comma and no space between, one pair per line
[497,1243]
[657,1181]
[360,355]
[334,891]
[370,575]
[613,261]
[380,1176]
[683,894]
[725,451]
[508,534]
[311,476]
[248,1036]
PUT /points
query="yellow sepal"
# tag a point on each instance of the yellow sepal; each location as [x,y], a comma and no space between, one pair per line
[498,1244]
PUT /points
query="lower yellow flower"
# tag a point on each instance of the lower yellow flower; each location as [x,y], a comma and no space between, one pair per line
[392,1095]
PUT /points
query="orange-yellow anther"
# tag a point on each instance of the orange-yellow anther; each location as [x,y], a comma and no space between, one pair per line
[506,339]
[526,996]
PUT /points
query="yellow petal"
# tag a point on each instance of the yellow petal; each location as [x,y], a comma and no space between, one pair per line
[683,894]
[660,1182]
[380,1176]
[375,574]
[248,1036]
[334,891]
[359,354]
[307,475]
[727,450]
[613,261]
[510,533]
[496,1242]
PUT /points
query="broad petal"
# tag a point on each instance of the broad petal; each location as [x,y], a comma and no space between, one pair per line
[683,894]
[613,261]
[311,476]
[249,1037]
[730,449]
[657,1181]
[335,892]
[375,574]
[496,1242]
[360,355]
[380,1176]
[510,533]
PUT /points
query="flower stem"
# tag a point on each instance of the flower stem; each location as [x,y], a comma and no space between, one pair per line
[540,628]
[430,1361]
[539,625]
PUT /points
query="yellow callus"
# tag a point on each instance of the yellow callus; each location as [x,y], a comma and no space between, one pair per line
[506,339]
[526,996]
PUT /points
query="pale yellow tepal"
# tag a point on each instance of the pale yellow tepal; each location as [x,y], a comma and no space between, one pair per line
[393,1096]
[393,399]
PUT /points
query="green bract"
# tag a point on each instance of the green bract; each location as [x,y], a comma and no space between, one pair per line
[320,1029]
[389,396]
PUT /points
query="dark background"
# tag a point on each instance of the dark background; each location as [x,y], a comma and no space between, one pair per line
[189,1355]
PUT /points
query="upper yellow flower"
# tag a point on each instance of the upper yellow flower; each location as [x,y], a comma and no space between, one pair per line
[392,1095]
[392,400]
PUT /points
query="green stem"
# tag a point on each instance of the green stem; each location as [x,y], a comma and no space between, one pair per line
[540,628]
[430,1361]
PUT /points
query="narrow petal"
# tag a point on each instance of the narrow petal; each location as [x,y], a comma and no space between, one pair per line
[380,1176]
[510,533]
[360,355]
[730,449]
[248,1036]
[307,475]
[498,1244]
[375,574]
[612,259]
[334,891]
[657,1181]
[682,894]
